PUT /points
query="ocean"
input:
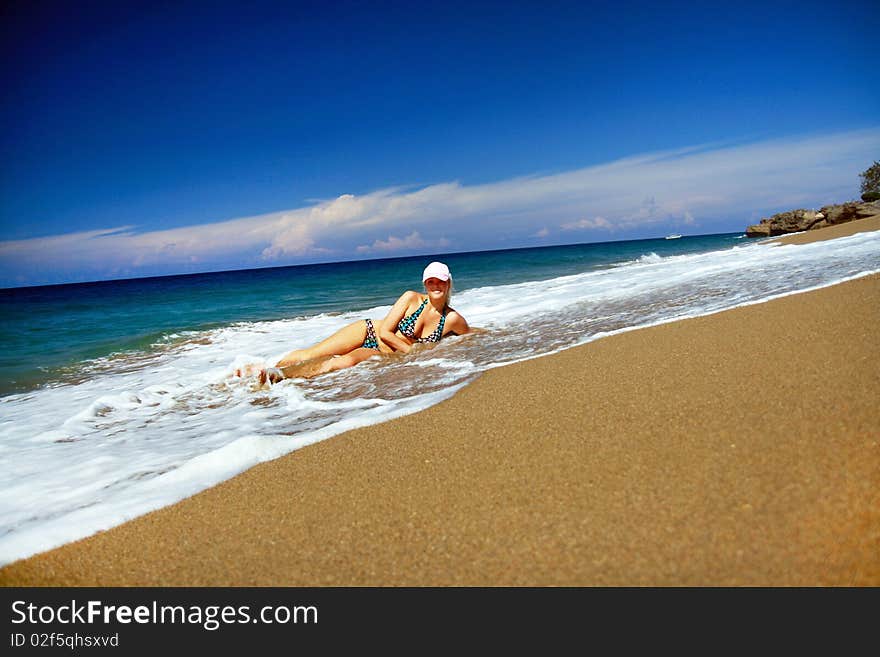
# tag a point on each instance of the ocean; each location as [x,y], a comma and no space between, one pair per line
[117,397]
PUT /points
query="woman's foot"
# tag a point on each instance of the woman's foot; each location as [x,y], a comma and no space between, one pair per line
[271,375]
[247,370]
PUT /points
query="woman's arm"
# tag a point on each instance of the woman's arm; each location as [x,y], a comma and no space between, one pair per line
[388,332]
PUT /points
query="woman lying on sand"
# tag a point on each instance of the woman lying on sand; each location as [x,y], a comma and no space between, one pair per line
[414,318]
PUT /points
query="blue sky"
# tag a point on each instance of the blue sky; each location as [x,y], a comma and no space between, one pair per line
[158,138]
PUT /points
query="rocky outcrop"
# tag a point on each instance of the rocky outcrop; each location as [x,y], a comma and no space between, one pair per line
[795,221]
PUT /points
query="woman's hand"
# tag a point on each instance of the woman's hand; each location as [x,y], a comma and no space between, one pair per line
[394,343]
[387,333]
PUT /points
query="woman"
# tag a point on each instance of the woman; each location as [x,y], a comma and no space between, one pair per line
[414,318]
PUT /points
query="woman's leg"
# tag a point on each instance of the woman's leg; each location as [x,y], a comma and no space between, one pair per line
[334,353]
[346,339]
[308,369]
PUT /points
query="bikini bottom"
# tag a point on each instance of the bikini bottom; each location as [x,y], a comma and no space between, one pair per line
[370,341]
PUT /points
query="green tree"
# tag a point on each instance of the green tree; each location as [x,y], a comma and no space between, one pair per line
[871,182]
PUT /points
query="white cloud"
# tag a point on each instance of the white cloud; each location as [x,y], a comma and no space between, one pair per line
[411,242]
[639,196]
[588,224]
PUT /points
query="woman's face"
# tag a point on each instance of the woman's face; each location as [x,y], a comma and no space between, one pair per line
[436,287]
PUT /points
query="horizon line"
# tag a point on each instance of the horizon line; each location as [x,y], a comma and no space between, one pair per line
[353,260]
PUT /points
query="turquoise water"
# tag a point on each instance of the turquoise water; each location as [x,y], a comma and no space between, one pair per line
[50,332]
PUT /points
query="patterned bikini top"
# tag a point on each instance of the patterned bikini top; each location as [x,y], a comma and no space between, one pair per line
[407,326]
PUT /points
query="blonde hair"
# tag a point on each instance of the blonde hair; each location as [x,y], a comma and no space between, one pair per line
[448,293]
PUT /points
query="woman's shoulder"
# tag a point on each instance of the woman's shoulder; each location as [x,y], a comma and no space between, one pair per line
[456,321]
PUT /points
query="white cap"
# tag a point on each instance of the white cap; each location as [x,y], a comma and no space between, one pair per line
[436,270]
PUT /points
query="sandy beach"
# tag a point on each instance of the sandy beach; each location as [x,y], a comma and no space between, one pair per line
[738,449]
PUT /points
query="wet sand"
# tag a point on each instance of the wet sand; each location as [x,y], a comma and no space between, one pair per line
[741,448]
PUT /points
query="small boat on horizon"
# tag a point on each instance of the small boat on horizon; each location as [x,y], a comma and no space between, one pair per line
[674,236]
